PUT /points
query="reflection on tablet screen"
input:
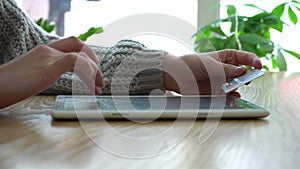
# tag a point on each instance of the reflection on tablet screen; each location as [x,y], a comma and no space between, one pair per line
[146,103]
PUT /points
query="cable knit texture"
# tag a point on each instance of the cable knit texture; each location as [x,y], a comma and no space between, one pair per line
[128,67]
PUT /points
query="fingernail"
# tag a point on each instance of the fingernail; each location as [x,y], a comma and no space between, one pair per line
[100,84]
[97,59]
[239,70]
[257,64]
[236,94]
[98,90]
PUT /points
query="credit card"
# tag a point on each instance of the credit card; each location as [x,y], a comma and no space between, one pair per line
[240,81]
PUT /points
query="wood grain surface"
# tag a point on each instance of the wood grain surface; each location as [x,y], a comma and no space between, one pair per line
[30,138]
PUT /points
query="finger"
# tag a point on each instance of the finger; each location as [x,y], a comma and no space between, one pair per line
[88,71]
[219,69]
[234,93]
[81,54]
[90,52]
[73,61]
[73,44]
[232,71]
[85,70]
[98,77]
[237,57]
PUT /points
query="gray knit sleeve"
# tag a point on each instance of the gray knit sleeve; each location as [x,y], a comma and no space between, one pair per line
[128,68]
[131,68]
[18,33]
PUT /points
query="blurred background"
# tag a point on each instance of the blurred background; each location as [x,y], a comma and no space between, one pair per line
[73,17]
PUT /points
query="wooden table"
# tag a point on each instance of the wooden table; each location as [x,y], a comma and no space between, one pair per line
[30,138]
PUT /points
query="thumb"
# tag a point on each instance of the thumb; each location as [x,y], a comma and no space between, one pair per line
[232,71]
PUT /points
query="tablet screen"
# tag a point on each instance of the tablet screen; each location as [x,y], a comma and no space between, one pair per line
[125,103]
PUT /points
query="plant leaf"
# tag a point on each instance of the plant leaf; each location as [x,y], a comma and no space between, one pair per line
[205,30]
[266,68]
[297,8]
[230,43]
[199,37]
[254,6]
[274,62]
[217,29]
[278,11]
[39,22]
[208,29]
[256,23]
[297,2]
[90,32]
[297,55]
[253,38]
[269,47]
[231,10]
[233,25]
[43,23]
[281,63]
[273,21]
[205,45]
[293,17]
[249,47]
[279,26]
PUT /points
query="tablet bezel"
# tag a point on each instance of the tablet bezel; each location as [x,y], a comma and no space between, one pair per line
[60,113]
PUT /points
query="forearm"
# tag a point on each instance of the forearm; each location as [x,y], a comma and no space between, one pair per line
[169,67]
[12,88]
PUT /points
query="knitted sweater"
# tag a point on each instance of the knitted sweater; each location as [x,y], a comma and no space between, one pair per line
[127,68]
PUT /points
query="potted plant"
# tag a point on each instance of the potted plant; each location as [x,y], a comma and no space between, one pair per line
[250,33]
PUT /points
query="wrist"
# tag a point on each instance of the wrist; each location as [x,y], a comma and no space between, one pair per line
[170,63]
[12,84]
[5,86]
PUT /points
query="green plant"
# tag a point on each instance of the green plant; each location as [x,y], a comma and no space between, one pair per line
[43,23]
[90,32]
[49,27]
[250,33]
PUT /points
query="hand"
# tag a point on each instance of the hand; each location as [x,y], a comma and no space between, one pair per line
[41,67]
[205,73]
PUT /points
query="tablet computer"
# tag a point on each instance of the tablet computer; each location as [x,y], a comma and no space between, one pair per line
[154,107]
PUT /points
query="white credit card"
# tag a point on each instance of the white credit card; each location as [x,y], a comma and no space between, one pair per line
[240,81]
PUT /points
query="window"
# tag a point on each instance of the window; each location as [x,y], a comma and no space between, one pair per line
[85,14]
